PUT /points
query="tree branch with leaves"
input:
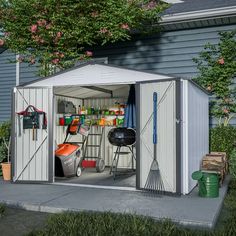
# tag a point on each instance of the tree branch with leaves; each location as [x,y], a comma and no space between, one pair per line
[217,67]
[57,32]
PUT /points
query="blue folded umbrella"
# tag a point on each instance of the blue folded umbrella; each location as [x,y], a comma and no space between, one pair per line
[130,110]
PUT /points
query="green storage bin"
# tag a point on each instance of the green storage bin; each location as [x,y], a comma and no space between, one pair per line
[208,184]
[68,120]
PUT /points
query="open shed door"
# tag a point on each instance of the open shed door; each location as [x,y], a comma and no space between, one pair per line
[166,132]
[32,150]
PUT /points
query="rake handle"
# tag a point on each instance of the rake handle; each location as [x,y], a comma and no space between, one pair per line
[154,118]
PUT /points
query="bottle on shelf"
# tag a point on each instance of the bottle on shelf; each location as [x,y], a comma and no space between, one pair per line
[89,111]
[96,111]
[82,111]
[92,110]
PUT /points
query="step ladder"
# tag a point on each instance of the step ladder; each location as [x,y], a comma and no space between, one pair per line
[97,145]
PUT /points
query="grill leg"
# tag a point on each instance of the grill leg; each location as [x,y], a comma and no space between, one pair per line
[117,161]
[133,157]
[114,160]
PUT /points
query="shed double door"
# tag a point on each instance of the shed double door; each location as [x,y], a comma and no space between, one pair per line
[32,150]
[166,132]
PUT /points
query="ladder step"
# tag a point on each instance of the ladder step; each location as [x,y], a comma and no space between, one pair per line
[91,145]
[96,134]
[123,153]
[90,157]
[74,142]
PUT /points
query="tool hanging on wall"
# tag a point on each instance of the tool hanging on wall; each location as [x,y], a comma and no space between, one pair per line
[31,120]
[154,182]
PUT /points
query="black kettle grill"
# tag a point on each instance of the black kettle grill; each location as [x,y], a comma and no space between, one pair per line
[122,136]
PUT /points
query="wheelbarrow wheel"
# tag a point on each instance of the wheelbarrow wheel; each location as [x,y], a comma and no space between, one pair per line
[100,165]
[78,171]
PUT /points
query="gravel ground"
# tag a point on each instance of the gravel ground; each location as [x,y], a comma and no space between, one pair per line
[17,222]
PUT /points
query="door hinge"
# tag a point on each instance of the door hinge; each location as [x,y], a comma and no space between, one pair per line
[178,121]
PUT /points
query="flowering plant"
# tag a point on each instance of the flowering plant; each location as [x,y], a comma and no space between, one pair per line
[217,67]
[57,32]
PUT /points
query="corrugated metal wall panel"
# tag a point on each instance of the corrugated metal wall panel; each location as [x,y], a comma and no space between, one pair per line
[196,126]
[25,147]
[7,82]
[166,131]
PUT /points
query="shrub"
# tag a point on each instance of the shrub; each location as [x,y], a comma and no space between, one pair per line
[232,163]
[217,66]
[3,152]
[5,132]
[3,155]
[223,139]
[230,201]
[230,205]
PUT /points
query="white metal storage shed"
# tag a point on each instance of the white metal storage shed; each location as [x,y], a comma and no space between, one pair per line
[183,122]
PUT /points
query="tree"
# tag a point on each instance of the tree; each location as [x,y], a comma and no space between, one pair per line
[57,32]
[217,67]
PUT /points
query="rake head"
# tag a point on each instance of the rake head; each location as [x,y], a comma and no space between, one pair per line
[154,181]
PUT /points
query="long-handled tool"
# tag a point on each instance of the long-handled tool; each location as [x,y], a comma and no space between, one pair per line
[154,181]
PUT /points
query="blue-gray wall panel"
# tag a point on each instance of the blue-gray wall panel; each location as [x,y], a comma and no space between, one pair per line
[28,73]
[170,52]
[7,81]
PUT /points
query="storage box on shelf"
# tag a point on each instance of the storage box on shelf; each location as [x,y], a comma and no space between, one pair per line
[215,162]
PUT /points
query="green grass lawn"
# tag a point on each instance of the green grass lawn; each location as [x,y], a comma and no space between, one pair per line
[102,224]
[2,209]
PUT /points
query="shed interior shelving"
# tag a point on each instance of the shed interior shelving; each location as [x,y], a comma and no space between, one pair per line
[103,97]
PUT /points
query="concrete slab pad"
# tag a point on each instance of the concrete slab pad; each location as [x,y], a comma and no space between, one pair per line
[188,210]
[31,193]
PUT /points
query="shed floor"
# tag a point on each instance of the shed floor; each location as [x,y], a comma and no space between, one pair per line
[126,178]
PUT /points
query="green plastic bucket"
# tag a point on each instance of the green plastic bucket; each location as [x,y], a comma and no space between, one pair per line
[208,184]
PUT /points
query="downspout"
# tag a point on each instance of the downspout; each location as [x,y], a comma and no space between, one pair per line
[17,70]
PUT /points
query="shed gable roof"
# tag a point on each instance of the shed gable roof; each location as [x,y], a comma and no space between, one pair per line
[97,74]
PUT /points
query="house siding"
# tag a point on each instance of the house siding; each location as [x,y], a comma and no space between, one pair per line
[168,52]
[28,73]
[7,81]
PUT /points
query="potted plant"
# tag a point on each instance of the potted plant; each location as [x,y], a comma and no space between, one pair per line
[5,143]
